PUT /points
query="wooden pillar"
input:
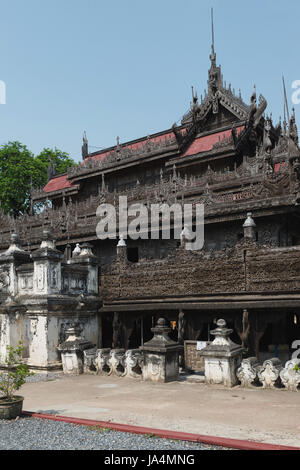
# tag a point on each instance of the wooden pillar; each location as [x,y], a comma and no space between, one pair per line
[181,327]
[142,330]
[243,329]
[116,340]
[181,336]
[100,331]
[258,325]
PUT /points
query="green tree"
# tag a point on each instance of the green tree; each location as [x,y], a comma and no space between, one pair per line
[20,171]
[61,162]
[17,170]
[15,375]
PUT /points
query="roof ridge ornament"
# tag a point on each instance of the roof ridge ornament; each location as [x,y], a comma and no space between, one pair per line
[85,146]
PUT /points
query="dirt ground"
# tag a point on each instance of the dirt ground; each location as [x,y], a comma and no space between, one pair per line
[271,416]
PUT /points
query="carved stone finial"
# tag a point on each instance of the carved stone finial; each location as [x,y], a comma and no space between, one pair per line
[122,242]
[15,244]
[249,222]
[86,250]
[77,250]
[249,227]
[185,236]
[47,241]
[15,239]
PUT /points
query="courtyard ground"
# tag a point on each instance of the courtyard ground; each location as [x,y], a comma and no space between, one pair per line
[270,416]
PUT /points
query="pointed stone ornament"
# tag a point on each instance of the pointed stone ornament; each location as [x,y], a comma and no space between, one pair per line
[249,227]
[77,250]
[121,241]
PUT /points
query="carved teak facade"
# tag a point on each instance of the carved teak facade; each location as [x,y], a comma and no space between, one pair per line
[225,154]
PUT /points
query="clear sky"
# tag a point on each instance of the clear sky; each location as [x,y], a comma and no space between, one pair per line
[125,67]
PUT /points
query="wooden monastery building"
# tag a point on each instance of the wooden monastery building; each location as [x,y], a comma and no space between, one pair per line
[229,156]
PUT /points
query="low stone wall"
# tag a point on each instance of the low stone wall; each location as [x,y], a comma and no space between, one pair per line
[116,362]
[270,374]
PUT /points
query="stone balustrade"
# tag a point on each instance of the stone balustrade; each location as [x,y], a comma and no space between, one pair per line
[247,372]
[271,374]
[157,361]
[118,362]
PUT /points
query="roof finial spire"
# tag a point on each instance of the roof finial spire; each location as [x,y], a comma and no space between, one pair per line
[213,54]
[285,99]
[284,120]
[212,30]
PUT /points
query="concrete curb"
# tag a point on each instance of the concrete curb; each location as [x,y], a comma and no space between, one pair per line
[182,436]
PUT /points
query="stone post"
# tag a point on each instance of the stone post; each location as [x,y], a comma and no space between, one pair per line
[161,355]
[9,261]
[46,289]
[222,357]
[90,261]
[47,267]
[72,351]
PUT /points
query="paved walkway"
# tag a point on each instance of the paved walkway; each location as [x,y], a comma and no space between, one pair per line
[271,416]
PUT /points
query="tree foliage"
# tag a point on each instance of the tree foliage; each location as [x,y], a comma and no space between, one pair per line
[20,171]
[60,159]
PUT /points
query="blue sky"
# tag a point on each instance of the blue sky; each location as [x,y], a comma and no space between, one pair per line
[125,67]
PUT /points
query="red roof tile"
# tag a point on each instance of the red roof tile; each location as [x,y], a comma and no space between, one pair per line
[206,143]
[58,183]
[61,182]
[203,144]
[278,165]
[137,145]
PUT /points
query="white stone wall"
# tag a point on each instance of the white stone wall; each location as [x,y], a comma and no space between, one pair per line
[36,305]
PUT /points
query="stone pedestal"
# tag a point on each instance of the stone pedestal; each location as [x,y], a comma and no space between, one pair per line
[72,351]
[222,357]
[161,355]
